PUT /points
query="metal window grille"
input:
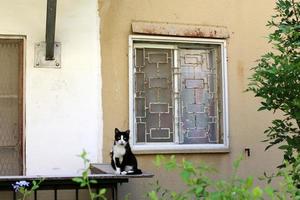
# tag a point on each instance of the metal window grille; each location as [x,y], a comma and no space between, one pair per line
[177,94]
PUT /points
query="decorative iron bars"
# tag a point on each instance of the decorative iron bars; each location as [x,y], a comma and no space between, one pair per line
[198,96]
[176,95]
[153,95]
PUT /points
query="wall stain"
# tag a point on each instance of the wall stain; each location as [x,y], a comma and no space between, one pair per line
[241,73]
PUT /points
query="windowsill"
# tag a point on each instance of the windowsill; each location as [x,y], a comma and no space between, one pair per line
[169,149]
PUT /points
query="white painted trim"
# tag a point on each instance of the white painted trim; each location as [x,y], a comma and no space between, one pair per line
[178,148]
[161,148]
[24,104]
[163,39]
[21,37]
[154,46]
[131,97]
[175,99]
[225,93]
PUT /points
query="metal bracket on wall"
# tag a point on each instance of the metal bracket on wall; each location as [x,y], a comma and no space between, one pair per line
[40,56]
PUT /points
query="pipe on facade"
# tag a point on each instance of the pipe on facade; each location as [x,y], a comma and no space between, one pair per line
[50,29]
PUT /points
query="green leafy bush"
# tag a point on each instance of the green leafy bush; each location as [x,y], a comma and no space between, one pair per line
[201,186]
[276,79]
[85,182]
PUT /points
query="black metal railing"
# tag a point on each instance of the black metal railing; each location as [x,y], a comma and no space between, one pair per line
[57,183]
[105,179]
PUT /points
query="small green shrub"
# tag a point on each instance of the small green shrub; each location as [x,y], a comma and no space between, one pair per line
[201,186]
[85,182]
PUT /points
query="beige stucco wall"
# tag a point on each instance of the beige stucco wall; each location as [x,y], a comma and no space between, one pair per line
[245,21]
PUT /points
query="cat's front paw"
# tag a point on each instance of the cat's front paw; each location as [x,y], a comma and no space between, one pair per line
[123,173]
[118,171]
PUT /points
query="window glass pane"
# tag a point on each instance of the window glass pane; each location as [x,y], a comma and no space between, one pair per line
[198,97]
[153,95]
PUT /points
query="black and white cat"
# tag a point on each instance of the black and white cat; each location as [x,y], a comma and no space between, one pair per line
[123,160]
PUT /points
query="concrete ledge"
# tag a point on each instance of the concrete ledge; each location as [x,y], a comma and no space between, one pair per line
[184,30]
[106,169]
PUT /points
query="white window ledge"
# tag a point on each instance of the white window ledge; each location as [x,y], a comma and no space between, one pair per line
[179,148]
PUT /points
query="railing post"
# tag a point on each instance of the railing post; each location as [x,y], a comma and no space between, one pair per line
[35,195]
[55,194]
[14,195]
[76,193]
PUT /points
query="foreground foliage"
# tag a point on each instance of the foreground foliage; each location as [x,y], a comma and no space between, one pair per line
[85,182]
[25,188]
[201,186]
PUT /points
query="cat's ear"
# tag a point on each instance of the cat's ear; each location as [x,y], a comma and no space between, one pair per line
[128,131]
[116,130]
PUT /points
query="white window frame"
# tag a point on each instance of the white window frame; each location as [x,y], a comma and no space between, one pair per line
[172,147]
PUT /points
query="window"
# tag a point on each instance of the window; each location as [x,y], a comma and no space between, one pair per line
[177,94]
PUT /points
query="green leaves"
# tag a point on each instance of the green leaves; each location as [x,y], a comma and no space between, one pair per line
[85,182]
[257,192]
[77,180]
[201,187]
[158,160]
[171,164]
[276,79]
[152,195]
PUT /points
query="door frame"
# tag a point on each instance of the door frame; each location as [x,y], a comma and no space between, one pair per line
[21,40]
